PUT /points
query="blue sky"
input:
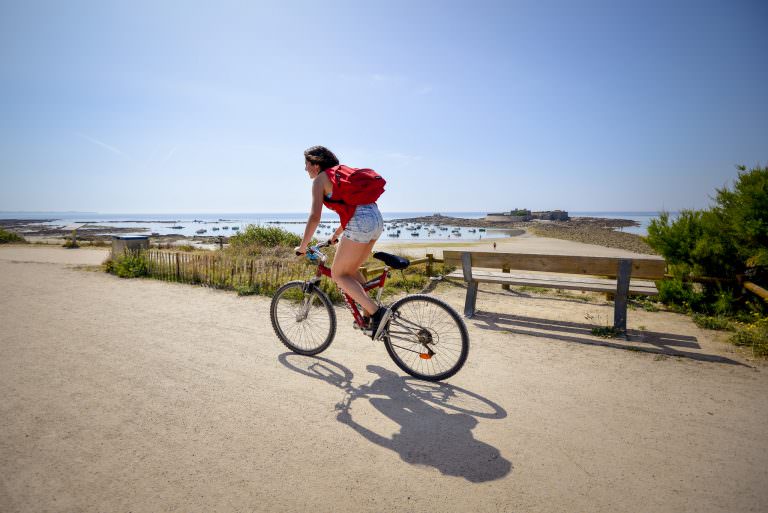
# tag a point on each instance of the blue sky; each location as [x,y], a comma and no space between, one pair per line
[463,106]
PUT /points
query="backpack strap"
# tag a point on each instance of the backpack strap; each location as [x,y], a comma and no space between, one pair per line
[331,172]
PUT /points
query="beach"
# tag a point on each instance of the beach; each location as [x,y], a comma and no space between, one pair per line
[142,395]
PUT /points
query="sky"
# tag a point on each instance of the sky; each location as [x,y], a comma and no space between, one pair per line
[165,106]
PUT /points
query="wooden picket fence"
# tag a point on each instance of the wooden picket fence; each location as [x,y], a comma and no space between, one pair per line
[222,271]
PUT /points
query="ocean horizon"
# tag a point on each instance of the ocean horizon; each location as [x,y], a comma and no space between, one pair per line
[190,223]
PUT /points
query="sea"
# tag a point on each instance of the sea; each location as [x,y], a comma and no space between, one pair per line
[212,224]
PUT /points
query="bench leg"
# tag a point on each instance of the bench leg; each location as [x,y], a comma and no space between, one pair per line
[622,292]
[469,303]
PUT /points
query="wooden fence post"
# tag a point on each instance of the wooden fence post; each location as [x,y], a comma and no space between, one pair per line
[430,258]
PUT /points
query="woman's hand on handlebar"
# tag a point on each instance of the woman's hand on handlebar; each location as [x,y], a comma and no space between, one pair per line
[299,251]
[332,241]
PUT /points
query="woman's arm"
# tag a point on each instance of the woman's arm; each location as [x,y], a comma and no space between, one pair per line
[314,213]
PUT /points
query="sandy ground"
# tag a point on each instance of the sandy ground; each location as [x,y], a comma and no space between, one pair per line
[143,396]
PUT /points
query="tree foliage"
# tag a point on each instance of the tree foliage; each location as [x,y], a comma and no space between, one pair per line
[726,241]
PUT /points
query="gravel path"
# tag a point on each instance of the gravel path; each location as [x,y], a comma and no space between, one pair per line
[139,395]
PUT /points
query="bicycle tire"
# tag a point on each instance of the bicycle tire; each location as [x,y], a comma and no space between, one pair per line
[426,338]
[292,326]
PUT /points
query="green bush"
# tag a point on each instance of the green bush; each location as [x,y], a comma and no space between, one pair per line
[712,322]
[130,264]
[754,335]
[727,241]
[265,236]
[679,295]
[8,237]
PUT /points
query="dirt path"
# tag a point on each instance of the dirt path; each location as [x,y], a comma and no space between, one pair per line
[138,395]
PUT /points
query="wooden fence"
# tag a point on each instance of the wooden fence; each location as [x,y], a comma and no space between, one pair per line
[224,271]
[254,274]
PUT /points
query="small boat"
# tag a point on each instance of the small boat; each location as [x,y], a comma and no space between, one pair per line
[215,228]
[199,232]
[235,228]
[177,227]
[225,227]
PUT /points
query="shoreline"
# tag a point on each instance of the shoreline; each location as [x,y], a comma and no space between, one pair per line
[588,230]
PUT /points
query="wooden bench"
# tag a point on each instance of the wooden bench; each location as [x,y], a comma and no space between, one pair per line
[617,276]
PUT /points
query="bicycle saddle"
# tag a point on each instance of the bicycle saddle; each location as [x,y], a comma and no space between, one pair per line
[393,261]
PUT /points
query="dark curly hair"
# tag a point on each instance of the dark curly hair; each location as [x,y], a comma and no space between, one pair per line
[321,155]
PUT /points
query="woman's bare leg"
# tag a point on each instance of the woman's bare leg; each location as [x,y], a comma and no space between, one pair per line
[345,271]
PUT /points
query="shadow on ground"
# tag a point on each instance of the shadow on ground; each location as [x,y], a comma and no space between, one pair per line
[668,344]
[435,419]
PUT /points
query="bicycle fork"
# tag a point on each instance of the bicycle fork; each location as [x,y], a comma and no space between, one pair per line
[306,303]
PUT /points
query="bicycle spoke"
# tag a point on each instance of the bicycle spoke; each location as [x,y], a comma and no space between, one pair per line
[426,338]
[303,322]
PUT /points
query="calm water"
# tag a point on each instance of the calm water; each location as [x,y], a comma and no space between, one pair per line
[228,223]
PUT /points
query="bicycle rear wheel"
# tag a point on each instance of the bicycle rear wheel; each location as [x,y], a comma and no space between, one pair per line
[303,318]
[426,338]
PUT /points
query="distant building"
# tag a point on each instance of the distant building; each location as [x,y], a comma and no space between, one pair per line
[551,215]
[516,215]
[523,214]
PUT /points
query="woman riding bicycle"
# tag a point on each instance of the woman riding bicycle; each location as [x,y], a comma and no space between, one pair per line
[360,228]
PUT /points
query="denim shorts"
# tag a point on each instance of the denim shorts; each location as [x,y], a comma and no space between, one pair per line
[365,225]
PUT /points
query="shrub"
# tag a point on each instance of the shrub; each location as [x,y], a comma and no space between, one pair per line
[726,241]
[129,264]
[265,236]
[679,295]
[712,322]
[754,335]
[8,237]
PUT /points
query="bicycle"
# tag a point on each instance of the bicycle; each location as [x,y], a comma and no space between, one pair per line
[425,337]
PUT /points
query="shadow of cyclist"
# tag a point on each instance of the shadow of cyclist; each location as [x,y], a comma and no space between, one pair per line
[428,435]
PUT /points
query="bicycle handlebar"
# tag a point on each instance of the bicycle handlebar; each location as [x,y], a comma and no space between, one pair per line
[315,250]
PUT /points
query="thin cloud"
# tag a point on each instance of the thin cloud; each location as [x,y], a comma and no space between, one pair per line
[102,144]
[170,154]
[424,89]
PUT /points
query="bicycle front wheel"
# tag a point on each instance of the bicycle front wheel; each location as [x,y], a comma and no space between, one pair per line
[303,318]
[426,338]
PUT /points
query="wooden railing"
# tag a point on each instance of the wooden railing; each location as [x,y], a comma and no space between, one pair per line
[756,289]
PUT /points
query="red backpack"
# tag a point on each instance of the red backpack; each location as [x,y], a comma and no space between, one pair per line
[353,186]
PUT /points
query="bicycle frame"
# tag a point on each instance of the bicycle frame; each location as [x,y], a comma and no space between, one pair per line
[378,282]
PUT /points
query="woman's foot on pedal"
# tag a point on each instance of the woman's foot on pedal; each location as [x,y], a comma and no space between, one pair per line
[379,321]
